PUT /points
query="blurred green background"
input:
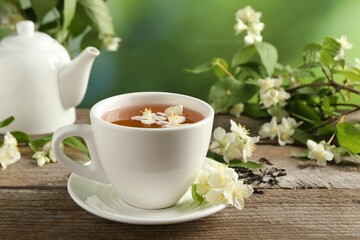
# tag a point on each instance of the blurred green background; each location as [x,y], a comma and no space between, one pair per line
[160,38]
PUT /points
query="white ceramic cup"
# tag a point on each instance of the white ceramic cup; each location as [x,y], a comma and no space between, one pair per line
[150,168]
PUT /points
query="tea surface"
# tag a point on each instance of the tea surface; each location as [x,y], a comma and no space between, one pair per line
[122,116]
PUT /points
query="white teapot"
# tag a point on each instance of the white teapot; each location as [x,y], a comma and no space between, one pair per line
[39,84]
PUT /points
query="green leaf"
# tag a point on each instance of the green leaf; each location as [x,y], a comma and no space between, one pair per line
[21,137]
[243,55]
[348,136]
[234,163]
[201,68]
[37,144]
[6,122]
[77,144]
[79,23]
[90,39]
[301,136]
[229,92]
[220,66]
[301,154]
[68,15]
[99,15]
[254,110]
[248,164]
[329,50]
[327,109]
[352,75]
[215,156]
[268,55]
[62,35]
[305,112]
[325,130]
[197,198]
[311,53]
[250,70]
[41,7]
[68,12]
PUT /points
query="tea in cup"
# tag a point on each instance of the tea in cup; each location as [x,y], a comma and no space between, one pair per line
[149,145]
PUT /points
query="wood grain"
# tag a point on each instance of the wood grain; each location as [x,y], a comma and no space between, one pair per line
[276,214]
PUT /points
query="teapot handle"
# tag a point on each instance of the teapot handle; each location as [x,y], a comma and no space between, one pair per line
[91,171]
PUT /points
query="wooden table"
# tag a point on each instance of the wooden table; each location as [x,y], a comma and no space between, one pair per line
[309,202]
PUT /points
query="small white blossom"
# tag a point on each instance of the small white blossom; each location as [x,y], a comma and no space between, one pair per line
[357,63]
[234,151]
[293,82]
[44,156]
[319,152]
[269,130]
[240,192]
[41,158]
[172,121]
[249,20]
[344,45]
[338,153]
[249,147]
[202,183]
[174,110]
[222,179]
[9,152]
[110,43]
[240,130]
[252,37]
[286,129]
[237,109]
[221,141]
[218,196]
[148,117]
[340,55]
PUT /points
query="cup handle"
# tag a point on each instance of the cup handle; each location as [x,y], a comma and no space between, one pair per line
[92,171]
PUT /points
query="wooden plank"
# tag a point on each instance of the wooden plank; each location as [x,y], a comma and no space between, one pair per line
[305,173]
[276,214]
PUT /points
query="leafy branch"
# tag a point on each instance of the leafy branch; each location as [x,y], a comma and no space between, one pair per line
[304,103]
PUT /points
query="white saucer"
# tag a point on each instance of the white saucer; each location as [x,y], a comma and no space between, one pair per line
[103,201]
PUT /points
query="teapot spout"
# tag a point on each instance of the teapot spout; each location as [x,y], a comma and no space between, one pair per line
[74,77]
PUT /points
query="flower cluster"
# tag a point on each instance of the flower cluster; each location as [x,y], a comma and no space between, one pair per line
[218,184]
[236,144]
[271,93]
[9,152]
[44,156]
[249,20]
[323,152]
[283,131]
[172,117]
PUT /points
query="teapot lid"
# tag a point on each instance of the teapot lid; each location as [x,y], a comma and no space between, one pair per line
[26,37]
